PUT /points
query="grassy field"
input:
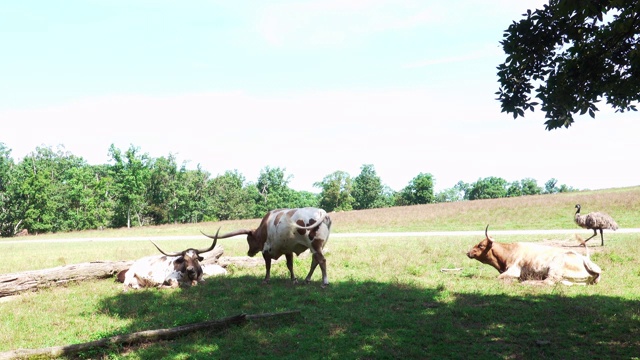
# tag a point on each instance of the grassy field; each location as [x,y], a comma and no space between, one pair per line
[387,297]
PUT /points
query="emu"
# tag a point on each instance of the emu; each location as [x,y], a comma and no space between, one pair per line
[595,221]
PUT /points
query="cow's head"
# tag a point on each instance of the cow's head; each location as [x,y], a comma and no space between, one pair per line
[481,250]
[188,261]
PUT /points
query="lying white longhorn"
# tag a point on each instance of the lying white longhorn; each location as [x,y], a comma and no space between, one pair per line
[169,270]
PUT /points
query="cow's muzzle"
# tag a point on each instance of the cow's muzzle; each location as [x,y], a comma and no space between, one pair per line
[192,273]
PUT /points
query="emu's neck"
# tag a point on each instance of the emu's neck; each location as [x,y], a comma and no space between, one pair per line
[579,219]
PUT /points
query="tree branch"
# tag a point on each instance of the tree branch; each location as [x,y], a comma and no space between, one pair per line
[142,336]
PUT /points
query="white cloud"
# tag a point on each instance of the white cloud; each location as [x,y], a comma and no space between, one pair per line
[338,23]
[466,55]
[331,23]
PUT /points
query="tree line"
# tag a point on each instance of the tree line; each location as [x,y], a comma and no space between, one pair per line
[52,190]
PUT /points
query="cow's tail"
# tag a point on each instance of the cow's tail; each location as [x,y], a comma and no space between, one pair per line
[592,268]
[325,219]
[586,249]
[582,242]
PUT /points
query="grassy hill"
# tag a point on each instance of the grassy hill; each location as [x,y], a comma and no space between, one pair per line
[527,212]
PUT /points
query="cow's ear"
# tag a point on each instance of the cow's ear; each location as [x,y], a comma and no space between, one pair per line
[200,258]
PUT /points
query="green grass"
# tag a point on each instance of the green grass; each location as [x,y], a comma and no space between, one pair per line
[387,297]
[526,212]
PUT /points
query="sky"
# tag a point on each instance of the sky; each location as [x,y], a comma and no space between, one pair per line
[311,87]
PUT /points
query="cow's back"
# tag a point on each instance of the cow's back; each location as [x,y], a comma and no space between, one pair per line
[150,271]
[574,268]
[556,264]
[283,237]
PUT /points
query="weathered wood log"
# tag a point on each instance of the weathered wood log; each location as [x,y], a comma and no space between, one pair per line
[142,336]
[246,261]
[271,315]
[242,261]
[16,283]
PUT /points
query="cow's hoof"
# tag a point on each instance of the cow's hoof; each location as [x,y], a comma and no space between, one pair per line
[324,285]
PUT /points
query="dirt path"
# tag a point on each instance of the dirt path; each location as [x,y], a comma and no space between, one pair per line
[497,233]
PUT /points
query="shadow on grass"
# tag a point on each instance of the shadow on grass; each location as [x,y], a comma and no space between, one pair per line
[350,320]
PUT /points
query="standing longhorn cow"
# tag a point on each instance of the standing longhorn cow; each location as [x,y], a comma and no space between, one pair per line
[288,231]
[167,271]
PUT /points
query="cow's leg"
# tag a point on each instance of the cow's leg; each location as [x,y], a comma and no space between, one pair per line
[290,267]
[314,263]
[512,273]
[170,284]
[556,270]
[267,265]
[130,281]
[129,285]
[126,285]
[134,282]
[318,259]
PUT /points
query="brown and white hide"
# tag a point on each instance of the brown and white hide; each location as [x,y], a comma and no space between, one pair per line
[161,271]
[167,270]
[536,263]
[287,232]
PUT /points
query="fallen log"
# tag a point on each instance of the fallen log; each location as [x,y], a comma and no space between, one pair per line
[16,283]
[246,261]
[139,337]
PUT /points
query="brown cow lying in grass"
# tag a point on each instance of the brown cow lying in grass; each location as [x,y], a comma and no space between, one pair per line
[535,263]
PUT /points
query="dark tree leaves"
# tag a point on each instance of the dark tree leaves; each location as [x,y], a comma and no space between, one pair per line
[575,53]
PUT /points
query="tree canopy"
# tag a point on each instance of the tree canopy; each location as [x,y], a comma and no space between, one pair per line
[488,188]
[367,189]
[336,192]
[577,53]
[52,190]
[419,191]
